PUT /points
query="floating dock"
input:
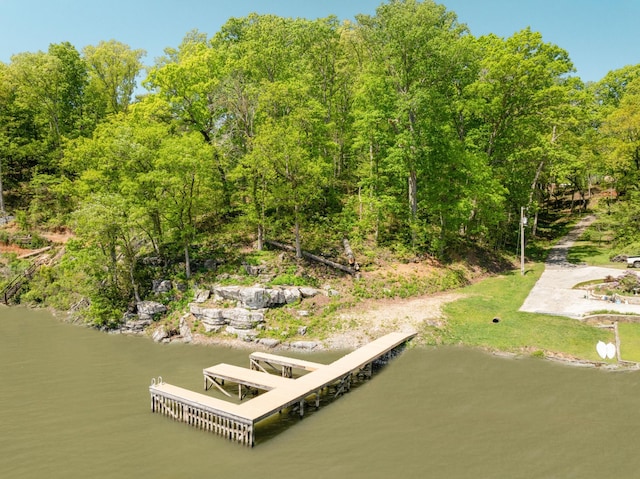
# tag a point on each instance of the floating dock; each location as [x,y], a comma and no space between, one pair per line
[237,422]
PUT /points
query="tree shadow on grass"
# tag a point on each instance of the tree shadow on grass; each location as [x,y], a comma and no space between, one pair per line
[578,254]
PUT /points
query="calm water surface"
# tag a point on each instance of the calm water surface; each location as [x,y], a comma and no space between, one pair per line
[74,403]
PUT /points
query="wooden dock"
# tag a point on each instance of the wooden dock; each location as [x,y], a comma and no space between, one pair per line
[217,375]
[286,364]
[237,422]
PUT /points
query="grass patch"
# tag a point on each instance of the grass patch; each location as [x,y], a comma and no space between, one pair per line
[629,341]
[470,321]
[409,285]
[594,247]
[588,252]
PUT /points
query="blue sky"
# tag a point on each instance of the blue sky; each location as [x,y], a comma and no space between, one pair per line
[600,35]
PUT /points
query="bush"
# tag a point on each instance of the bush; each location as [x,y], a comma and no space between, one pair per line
[629,282]
[290,279]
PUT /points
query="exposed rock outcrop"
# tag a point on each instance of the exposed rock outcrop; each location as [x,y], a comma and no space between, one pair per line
[260,297]
[161,286]
[185,330]
[214,319]
[148,309]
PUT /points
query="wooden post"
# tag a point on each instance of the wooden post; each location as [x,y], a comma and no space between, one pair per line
[350,256]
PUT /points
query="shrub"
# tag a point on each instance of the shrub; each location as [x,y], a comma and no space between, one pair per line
[629,282]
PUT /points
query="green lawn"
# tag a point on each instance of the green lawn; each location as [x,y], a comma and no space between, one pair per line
[594,247]
[629,341]
[470,321]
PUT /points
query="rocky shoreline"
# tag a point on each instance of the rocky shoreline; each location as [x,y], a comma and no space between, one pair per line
[237,311]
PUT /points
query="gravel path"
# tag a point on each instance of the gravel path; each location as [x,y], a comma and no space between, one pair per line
[553,293]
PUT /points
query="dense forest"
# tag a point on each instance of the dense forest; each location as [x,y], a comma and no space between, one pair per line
[399,130]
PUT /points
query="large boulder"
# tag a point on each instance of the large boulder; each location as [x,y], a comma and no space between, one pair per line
[291,295]
[241,318]
[254,297]
[148,310]
[239,294]
[203,313]
[269,342]
[160,334]
[248,335]
[259,297]
[308,292]
[212,326]
[135,326]
[185,330]
[201,295]
[214,319]
[161,286]
[211,318]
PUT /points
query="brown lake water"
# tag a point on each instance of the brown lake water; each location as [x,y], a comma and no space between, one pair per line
[74,403]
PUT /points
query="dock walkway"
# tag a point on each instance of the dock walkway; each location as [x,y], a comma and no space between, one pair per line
[286,364]
[237,421]
[216,375]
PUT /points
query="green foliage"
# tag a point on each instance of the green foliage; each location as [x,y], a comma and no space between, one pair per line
[405,286]
[289,279]
[399,130]
[629,283]
[104,313]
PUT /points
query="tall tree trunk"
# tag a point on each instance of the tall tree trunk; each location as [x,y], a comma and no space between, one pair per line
[413,202]
[134,284]
[297,233]
[260,244]
[187,261]
[114,264]
[535,182]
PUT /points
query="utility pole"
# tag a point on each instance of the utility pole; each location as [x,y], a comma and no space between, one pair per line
[523,222]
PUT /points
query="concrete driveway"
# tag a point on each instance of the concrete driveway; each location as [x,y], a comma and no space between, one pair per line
[553,293]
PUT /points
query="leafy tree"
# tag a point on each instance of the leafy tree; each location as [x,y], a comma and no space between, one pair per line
[622,129]
[74,114]
[415,57]
[107,223]
[288,145]
[113,69]
[186,186]
[514,111]
[39,78]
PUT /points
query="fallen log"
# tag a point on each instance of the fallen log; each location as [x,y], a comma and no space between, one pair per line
[313,257]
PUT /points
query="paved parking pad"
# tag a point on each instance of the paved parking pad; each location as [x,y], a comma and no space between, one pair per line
[553,293]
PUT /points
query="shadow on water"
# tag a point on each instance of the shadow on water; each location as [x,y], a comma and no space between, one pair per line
[290,417]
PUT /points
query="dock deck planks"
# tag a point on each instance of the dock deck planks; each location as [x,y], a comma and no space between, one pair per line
[285,362]
[247,377]
[243,377]
[281,392]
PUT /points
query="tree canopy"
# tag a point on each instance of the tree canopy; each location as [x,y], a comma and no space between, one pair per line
[397,129]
